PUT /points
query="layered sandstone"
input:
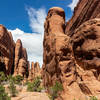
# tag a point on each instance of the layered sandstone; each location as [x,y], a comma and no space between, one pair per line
[13,57]
[85,10]
[34,71]
[55,42]
[6,50]
[18,52]
[85,47]
[22,67]
[21,63]
[73,59]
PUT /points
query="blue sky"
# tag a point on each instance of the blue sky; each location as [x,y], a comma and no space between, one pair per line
[13,13]
[25,18]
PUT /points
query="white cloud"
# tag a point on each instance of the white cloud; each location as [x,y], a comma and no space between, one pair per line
[37,18]
[73,4]
[33,42]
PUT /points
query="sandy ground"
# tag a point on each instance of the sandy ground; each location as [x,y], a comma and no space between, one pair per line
[31,96]
[24,95]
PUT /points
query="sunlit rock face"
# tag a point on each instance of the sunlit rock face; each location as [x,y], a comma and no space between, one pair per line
[18,52]
[56,48]
[21,63]
[86,45]
[85,50]
[72,58]
[34,71]
[6,50]
[13,57]
[22,67]
[85,10]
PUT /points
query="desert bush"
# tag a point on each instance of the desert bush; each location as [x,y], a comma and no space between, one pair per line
[93,98]
[18,79]
[35,85]
[40,88]
[12,88]
[2,77]
[30,86]
[3,94]
[54,90]
[10,78]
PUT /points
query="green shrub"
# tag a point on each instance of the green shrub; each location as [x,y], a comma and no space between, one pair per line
[39,89]
[93,98]
[34,86]
[2,77]
[10,78]
[55,89]
[30,87]
[18,79]
[3,94]
[12,88]
[26,83]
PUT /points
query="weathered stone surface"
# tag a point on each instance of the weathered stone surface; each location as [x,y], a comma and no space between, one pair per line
[34,71]
[22,67]
[85,10]
[31,74]
[21,63]
[24,53]
[37,69]
[6,50]
[74,60]
[55,42]
[85,46]
[18,54]
[12,56]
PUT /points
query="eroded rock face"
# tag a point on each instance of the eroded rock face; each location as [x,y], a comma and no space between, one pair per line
[34,71]
[12,57]
[24,53]
[22,67]
[55,46]
[74,60]
[37,70]
[18,53]
[86,45]
[85,10]
[21,63]
[6,50]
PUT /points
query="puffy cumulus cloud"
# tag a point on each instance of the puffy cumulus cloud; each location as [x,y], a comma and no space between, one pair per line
[73,4]
[33,42]
[37,18]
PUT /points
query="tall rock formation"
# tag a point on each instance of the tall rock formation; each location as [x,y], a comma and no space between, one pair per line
[85,49]
[55,41]
[22,68]
[71,53]
[85,10]
[34,71]
[6,50]
[18,51]
[37,69]
[21,63]
[13,57]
